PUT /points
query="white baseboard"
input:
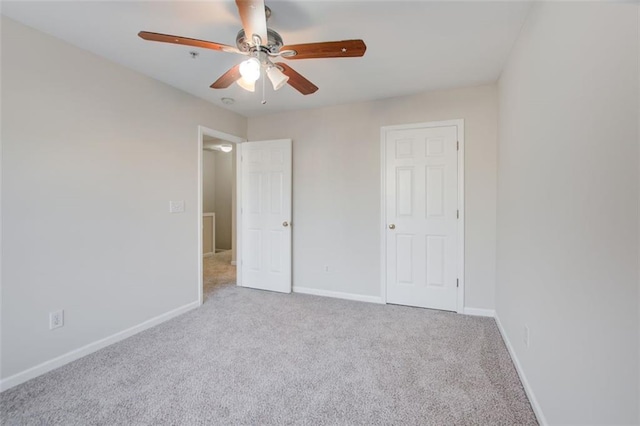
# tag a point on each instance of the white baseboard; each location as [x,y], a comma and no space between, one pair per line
[338,295]
[208,254]
[523,378]
[75,354]
[233,262]
[479,312]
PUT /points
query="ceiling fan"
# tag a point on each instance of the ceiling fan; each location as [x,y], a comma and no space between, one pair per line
[261,45]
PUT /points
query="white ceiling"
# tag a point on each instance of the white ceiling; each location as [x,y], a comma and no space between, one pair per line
[412,46]
[209,143]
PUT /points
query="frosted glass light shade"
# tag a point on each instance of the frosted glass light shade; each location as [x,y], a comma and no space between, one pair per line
[250,69]
[246,85]
[277,77]
[226,147]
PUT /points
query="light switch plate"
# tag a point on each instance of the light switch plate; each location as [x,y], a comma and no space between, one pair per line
[176,206]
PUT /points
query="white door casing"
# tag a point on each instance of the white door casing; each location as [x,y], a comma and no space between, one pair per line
[422,244]
[266,215]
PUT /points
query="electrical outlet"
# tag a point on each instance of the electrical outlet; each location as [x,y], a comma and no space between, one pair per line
[176,206]
[56,319]
[326,268]
[527,336]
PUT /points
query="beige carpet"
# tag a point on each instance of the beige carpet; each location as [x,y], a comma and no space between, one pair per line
[249,357]
[218,272]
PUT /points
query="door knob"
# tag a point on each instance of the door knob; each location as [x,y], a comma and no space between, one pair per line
[392,226]
[285,223]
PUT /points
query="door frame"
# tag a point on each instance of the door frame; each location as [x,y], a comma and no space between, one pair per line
[237,141]
[459,123]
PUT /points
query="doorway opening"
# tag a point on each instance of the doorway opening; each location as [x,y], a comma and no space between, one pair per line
[218,224]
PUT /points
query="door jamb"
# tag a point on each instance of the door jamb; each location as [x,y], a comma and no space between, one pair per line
[237,141]
[459,123]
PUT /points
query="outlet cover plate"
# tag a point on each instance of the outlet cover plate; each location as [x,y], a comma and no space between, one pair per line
[56,319]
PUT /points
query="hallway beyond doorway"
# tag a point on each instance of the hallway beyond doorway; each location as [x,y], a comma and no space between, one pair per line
[218,272]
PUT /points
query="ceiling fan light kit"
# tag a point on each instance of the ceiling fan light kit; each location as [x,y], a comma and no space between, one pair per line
[250,69]
[277,77]
[248,85]
[264,44]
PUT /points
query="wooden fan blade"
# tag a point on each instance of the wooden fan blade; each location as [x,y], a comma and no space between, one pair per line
[254,19]
[297,81]
[328,49]
[227,79]
[166,38]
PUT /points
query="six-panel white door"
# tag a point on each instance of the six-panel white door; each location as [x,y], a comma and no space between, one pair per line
[421,214]
[266,215]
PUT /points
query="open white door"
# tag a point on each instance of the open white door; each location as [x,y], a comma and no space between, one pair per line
[266,215]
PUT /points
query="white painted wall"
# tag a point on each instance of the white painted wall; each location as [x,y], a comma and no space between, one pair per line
[336,191]
[208,181]
[218,180]
[224,184]
[92,154]
[234,206]
[1,210]
[568,210]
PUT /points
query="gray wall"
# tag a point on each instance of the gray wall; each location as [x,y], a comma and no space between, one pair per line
[224,184]
[208,181]
[91,157]
[336,191]
[218,180]
[568,210]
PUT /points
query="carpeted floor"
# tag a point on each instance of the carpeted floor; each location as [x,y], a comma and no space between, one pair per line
[255,357]
[218,272]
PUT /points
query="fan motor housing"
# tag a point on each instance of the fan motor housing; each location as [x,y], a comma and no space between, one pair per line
[273,45]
